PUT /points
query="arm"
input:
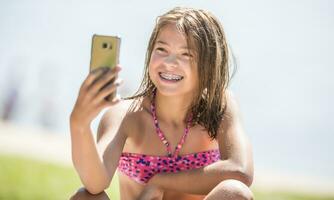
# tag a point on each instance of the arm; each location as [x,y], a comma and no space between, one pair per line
[95,172]
[236,160]
[96,163]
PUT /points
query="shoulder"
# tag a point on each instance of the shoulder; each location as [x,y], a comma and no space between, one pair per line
[231,121]
[230,98]
[136,117]
[112,118]
[232,107]
[123,118]
[115,113]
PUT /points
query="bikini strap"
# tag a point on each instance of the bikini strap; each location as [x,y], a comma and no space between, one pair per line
[161,134]
[183,139]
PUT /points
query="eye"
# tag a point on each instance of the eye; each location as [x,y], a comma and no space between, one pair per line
[160,49]
[187,55]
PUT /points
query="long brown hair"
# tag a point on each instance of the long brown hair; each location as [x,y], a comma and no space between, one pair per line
[206,35]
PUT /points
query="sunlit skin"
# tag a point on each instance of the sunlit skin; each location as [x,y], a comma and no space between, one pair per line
[121,131]
[172,55]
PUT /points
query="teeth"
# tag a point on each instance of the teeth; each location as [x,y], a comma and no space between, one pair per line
[170,76]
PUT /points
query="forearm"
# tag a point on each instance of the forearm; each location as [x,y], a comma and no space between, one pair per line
[199,181]
[87,161]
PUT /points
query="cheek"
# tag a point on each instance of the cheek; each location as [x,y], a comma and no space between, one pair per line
[194,76]
[191,70]
[155,59]
[152,67]
[152,64]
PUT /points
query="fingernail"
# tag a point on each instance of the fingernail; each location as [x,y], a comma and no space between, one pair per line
[102,69]
[118,97]
[107,69]
[119,81]
[96,70]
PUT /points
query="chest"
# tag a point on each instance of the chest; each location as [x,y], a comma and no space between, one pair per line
[146,140]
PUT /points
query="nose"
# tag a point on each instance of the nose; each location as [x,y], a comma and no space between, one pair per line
[171,60]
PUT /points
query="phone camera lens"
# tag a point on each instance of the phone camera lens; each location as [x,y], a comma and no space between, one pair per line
[106,45]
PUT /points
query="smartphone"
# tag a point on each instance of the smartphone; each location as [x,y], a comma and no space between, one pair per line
[105,53]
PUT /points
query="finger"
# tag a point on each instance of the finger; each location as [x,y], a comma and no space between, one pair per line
[106,103]
[104,79]
[93,76]
[108,90]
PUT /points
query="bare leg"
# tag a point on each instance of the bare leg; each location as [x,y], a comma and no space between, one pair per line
[83,194]
[151,193]
[230,190]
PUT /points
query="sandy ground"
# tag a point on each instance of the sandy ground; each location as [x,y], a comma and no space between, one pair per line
[54,147]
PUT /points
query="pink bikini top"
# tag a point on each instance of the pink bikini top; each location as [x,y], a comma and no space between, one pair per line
[141,168]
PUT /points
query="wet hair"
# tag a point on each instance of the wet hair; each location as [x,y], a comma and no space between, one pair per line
[206,36]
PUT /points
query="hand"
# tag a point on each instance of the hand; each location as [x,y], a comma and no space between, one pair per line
[91,99]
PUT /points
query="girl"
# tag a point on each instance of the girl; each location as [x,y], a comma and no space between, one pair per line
[179,137]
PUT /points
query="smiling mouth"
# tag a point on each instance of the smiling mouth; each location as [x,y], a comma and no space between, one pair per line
[170,77]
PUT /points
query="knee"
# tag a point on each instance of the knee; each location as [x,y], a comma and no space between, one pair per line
[231,189]
[83,194]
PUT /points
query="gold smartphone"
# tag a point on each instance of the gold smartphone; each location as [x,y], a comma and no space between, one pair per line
[105,53]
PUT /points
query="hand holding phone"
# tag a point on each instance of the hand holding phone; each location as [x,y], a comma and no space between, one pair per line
[105,54]
[92,94]
[98,91]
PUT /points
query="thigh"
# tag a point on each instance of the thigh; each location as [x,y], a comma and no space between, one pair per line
[83,194]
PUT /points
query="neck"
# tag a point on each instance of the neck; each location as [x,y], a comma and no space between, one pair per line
[173,110]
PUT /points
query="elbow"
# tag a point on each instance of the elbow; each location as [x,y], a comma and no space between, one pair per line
[244,175]
[95,182]
[96,186]
[241,173]
[96,189]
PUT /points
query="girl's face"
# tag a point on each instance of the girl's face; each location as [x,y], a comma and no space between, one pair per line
[172,67]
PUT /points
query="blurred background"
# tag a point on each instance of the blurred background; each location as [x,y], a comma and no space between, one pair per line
[283,84]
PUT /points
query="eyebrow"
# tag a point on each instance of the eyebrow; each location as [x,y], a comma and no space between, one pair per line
[165,43]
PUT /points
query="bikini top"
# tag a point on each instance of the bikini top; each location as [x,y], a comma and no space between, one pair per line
[141,167]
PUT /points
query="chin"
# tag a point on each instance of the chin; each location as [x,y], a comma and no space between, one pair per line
[173,91]
[169,92]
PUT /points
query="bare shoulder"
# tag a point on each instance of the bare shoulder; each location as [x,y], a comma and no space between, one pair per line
[112,118]
[232,138]
[135,118]
[124,117]
[229,124]
[232,108]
